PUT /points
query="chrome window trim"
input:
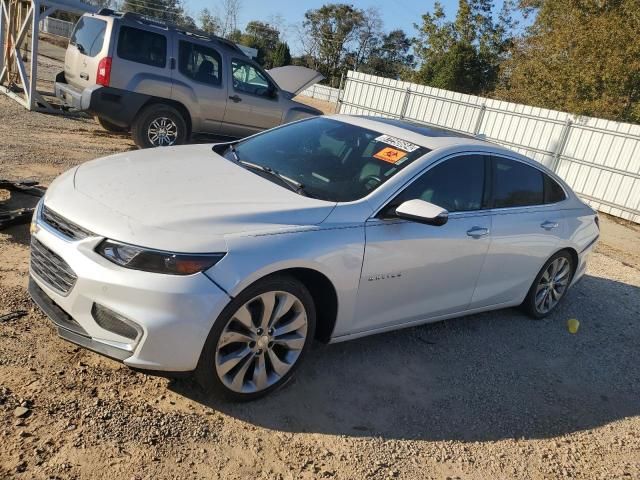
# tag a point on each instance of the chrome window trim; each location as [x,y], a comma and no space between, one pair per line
[466,213]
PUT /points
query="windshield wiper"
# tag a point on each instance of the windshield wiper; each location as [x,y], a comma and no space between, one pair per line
[234,152]
[290,183]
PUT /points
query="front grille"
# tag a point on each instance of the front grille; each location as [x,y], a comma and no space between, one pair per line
[67,228]
[51,269]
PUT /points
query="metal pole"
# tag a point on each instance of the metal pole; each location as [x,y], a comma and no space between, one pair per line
[3,33]
[33,70]
[562,142]
[405,103]
[340,87]
[476,129]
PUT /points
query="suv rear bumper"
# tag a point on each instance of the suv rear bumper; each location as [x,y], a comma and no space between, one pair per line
[112,104]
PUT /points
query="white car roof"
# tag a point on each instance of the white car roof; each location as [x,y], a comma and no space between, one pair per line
[424,135]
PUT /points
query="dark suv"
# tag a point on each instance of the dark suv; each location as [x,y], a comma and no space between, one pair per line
[164,83]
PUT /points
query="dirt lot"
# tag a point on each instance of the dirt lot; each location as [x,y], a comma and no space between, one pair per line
[488,396]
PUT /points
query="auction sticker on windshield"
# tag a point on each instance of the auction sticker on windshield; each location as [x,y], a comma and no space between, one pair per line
[390,155]
[398,143]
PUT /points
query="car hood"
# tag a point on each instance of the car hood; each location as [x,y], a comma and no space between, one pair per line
[294,79]
[182,199]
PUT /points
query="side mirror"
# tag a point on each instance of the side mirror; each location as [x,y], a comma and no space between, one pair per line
[423,212]
[272,91]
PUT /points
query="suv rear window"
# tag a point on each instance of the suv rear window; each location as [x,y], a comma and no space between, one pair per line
[141,46]
[200,63]
[88,36]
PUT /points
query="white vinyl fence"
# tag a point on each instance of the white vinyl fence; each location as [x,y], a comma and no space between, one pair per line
[56,27]
[322,92]
[599,159]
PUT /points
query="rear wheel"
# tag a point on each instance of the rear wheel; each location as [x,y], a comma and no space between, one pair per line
[550,286]
[159,125]
[259,340]
[111,127]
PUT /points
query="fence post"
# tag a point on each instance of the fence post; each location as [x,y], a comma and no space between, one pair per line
[559,150]
[339,95]
[405,103]
[476,128]
[2,33]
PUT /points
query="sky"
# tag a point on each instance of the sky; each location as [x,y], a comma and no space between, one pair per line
[395,13]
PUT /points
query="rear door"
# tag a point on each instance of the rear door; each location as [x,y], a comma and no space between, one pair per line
[253,103]
[527,229]
[199,82]
[87,47]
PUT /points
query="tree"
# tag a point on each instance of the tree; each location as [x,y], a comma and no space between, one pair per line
[328,32]
[582,57]
[392,57]
[463,55]
[209,23]
[281,55]
[264,37]
[168,10]
[229,17]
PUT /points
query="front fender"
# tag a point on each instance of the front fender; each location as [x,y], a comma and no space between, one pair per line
[337,253]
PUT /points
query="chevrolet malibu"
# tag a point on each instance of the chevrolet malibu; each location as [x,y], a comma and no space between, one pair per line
[227,261]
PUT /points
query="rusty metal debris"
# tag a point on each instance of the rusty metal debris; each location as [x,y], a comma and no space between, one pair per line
[20,215]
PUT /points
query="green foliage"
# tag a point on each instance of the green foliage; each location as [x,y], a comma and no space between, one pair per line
[465,54]
[167,10]
[281,56]
[391,57]
[209,23]
[578,56]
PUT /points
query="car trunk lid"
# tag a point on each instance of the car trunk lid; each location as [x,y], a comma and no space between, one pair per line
[294,79]
[87,47]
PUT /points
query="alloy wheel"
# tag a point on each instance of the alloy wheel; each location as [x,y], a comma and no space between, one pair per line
[162,132]
[552,285]
[261,342]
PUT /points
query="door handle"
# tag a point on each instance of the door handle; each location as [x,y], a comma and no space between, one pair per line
[477,232]
[84,76]
[235,98]
[549,225]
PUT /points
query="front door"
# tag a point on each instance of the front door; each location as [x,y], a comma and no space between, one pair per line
[413,272]
[253,103]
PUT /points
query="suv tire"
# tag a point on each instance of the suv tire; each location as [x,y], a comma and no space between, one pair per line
[159,125]
[110,127]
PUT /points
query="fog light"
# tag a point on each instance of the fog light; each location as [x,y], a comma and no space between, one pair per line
[115,323]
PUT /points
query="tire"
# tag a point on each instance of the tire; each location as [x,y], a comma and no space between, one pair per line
[163,119]
[549,291]
[110,127]
[252,350]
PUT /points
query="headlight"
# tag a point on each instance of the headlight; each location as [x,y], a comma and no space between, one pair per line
[156,261]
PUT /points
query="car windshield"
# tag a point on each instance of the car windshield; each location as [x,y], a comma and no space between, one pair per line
[328,159]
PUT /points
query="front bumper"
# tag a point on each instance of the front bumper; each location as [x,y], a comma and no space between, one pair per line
[175,313]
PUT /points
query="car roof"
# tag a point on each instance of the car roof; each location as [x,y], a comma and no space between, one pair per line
[427,136]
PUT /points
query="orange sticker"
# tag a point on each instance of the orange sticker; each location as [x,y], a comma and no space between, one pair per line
[390,155]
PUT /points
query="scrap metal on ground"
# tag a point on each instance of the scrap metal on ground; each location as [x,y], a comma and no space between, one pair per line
[20,215]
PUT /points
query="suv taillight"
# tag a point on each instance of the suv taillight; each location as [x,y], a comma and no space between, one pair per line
[103,76]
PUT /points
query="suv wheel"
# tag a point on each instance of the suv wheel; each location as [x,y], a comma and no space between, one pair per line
[111,127]
[259,340]
[159,125]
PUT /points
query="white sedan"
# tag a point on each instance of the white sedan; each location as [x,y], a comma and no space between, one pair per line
[228,261]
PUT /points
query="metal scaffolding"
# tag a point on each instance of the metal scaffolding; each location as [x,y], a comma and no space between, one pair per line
[19,35]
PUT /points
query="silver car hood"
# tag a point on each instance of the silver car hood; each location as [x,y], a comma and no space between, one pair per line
[294,79]
[182,199]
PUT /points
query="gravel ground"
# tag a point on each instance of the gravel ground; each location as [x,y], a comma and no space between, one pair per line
[494,395]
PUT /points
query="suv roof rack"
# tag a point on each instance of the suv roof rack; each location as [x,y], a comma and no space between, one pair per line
[170,26]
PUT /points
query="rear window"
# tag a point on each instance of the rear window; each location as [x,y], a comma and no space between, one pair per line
[516,184]
[88,36]
[141,46]
[200,63]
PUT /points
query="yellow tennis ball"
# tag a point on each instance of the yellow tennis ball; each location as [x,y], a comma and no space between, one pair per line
[572,325]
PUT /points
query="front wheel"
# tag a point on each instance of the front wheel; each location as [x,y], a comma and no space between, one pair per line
[550,286]
[159,125]
[259,340]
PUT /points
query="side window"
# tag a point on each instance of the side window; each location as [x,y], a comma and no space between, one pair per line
[457,184]
[200,63]
[516,184]
[88,36]
[248,79]
[141,46]
[553,192]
